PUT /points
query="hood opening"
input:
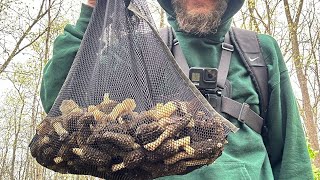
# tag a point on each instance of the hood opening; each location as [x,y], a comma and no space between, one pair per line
[233,7]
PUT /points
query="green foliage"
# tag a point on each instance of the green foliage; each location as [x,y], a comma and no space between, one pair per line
[313,154]
[316,172]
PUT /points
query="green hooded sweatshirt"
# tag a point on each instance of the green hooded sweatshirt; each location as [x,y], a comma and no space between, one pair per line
[284,154]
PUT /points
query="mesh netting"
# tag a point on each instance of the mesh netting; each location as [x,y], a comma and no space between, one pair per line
[126,111]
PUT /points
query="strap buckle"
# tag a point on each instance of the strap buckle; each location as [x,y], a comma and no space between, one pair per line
[227,47]
[244,107]
[219,92]
[175,42]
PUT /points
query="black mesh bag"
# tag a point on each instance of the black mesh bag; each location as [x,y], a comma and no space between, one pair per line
[126,110]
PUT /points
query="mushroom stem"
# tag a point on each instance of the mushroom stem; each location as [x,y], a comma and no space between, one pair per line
[165,111]
[185,144]
[117,167]
[153,145]
[92,156]
[182,108]
[179,156]
[126,105]
[68,106]
[98,115]
[188,149]
[163,122]
[122,140]
[106,97]
[191,123]
[197,162]
[63,133]
[78,151]
[58,160]
[183,141]
[171,130]
[44,140]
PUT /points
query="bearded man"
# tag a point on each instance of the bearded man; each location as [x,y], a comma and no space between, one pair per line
[200,27]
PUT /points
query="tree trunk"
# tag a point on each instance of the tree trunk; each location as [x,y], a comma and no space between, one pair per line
[15,141]
[308,116]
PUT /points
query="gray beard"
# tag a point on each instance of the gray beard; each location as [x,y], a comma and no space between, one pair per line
[199,24]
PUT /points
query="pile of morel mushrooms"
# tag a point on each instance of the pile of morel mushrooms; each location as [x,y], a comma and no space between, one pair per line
[111,139]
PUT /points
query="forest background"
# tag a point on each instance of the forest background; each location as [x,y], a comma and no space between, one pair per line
[28,29]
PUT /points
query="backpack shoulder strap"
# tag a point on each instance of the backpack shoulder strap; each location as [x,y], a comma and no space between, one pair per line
[247,44]
[168,36]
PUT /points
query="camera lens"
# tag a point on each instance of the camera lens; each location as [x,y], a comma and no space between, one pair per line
[210,75]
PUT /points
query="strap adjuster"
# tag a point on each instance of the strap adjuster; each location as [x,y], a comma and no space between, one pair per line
[175,42]
[244,106]
[227,47]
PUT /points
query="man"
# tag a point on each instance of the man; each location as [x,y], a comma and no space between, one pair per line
[200,27]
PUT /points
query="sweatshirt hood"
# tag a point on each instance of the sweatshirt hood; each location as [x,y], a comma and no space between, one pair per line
[233,7]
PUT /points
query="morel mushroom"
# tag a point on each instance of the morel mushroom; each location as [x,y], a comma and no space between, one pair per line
[46,155]
[182,108]
[49,152]
[111,149]
[98,115]
[45,128]
[156,169]
[107,105]
[68,106]
[92,156]
[171,130]
[126,105]
[197,162]
[65,152]
[123,141]
[57,125]
[159,170]
[137,121]
[99,129]
[126,117]
[152,156]
[185,144]
[131,160]
[211,127]
[176,169]
[164,122]
[36,144]
[168,148]
[76,166]
[71,121]
[162,111]
[85,123]
[171,147]
[203,149]
[40,148]
[147,133]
